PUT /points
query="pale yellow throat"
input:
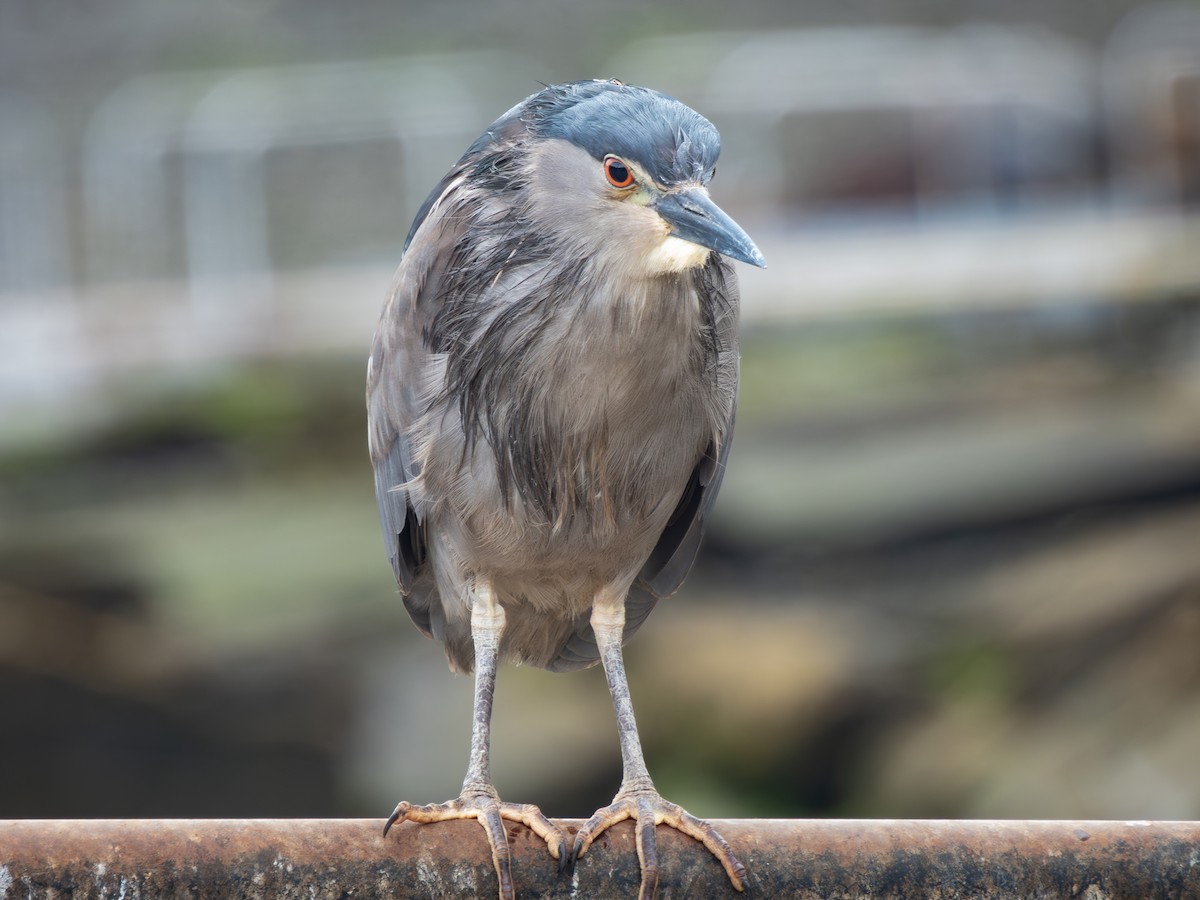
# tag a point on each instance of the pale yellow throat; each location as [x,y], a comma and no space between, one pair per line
[676,255]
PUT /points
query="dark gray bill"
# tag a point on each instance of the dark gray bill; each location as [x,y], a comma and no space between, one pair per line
[694,217]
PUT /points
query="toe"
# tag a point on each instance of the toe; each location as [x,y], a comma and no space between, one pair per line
[703,832]
[531,817]
[599,823]
[493,824]
[647,851]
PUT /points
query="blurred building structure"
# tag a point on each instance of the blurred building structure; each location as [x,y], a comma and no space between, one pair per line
[881,168]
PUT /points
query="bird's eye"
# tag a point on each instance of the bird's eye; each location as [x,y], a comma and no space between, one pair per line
[617,172]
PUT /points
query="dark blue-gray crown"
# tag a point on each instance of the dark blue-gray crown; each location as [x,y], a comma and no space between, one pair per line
[672,142]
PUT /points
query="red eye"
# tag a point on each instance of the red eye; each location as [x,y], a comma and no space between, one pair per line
[617,172]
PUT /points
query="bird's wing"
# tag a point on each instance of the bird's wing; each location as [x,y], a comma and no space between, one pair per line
[675,552]
[395,395]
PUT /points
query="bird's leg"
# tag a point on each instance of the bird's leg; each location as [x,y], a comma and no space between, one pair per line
[637,798]
[479,799]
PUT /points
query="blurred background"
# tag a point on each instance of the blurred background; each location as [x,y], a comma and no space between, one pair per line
[954,569]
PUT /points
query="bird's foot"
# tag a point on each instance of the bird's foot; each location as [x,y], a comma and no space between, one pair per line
[648,809]
[491,812]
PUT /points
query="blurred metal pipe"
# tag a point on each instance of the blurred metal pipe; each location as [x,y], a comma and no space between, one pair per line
[308,858]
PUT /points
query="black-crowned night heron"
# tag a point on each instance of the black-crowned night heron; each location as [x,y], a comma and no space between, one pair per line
[551,397]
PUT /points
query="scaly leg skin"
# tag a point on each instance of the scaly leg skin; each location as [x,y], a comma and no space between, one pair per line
[637,799]
[479,799]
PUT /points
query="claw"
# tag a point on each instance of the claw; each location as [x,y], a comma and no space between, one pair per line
[564,857]
[398,813]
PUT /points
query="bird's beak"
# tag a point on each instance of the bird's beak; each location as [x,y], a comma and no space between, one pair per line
[694,217]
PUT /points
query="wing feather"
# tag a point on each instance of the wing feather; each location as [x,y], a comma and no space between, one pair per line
[395,396]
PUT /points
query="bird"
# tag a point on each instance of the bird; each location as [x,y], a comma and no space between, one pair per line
[551,393]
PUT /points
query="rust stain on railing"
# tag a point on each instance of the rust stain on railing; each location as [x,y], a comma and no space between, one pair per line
[337,858]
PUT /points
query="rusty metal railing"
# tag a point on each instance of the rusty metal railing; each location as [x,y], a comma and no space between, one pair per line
[333,858]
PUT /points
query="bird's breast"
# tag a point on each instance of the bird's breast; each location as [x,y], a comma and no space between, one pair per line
[606,436]
[591,440]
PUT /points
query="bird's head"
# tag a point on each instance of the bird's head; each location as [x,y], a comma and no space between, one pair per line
[625,170]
